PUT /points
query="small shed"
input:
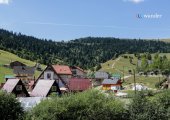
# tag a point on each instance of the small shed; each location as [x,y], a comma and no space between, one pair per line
[44,88]
[16,63]
[111,84]
[79,84]
[16,87]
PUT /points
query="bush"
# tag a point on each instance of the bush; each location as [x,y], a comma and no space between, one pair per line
[90,105]
[148,93]
[125,56]
[143,109]
[10,108]
[164,99]
[158,84]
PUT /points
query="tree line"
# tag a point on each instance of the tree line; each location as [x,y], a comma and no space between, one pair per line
[153,63]
[84,52]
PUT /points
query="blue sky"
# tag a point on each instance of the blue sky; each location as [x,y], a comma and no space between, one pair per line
[70,19]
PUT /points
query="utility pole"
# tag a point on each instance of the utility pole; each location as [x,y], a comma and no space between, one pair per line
[168,82]
[123,74]
[134,80]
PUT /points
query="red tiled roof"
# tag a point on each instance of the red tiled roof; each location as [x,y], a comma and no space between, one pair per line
[10,85]
[79,84]
[62,69]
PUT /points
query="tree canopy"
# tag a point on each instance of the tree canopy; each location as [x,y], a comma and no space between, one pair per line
[84,52]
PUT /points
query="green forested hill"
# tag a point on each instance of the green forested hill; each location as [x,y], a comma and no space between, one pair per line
[84,52]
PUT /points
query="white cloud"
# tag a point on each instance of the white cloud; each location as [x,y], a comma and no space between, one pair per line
[6,2]
[134,1]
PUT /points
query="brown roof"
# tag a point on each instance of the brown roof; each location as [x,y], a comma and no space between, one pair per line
[16,63]
[76,67]
[42,88]
[10,85]
[77,84]
[62,69]
[113,81]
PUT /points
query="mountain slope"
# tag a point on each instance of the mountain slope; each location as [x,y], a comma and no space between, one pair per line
[121,64]
[6,58]
[83,52]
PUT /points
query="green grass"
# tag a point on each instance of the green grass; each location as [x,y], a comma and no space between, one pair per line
[147,81]
[123,63]
[6,58]
[120,64]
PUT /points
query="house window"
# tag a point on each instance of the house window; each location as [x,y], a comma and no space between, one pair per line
[53,88]
[48,75]
[19,87]
[74,72]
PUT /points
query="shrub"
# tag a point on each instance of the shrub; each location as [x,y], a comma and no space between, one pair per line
[164,99]
[89,105]
[158,84]
[143,109]
[10,108]
[125,56]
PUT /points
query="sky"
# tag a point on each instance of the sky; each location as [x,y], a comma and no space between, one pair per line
[70,19]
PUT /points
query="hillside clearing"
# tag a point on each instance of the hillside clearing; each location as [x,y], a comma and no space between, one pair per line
[6,58]
[121,64]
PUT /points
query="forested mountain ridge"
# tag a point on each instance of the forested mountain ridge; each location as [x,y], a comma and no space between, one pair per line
[84,52]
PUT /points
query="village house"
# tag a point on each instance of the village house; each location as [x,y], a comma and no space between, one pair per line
[79,84]
[60,73]
[25,73]
[44,88]
[99,77]
[111,84]
[16,87]
[16,63]
[77,72]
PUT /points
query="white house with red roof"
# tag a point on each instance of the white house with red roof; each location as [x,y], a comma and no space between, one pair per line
[60,73]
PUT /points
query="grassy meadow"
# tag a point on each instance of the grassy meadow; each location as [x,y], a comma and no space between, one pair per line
[6,58]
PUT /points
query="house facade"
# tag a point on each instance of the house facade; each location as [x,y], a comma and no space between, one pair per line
[16,87]
[111,84]
[60,73]
[77,72]
[24,73]
[99,77]
[44,88]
